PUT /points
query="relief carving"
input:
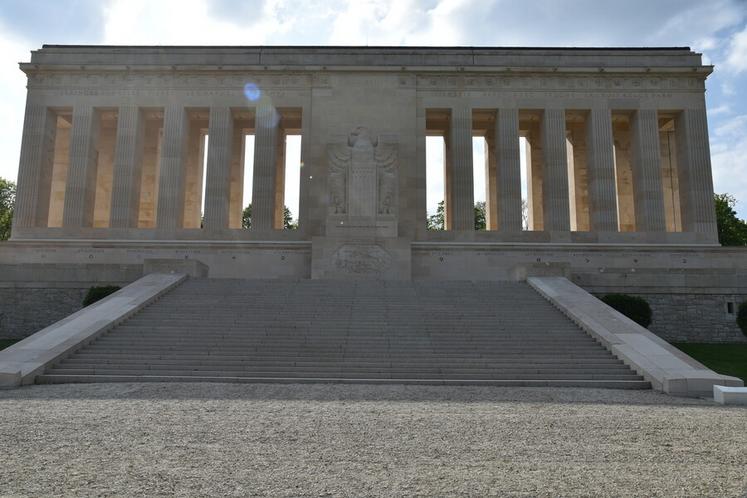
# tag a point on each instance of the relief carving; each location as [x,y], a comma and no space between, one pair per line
[363,174]
[362,259]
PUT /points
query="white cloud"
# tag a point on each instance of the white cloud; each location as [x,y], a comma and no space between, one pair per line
[12,103]
[736,59]
[734,127]
[181,22]
[729,160]
[723,109]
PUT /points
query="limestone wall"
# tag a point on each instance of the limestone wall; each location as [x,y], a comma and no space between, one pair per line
[24,311]
[694,317]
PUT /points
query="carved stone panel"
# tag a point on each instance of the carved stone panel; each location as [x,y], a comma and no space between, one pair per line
[363,175]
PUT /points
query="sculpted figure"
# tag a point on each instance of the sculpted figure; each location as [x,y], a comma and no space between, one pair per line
[362,175]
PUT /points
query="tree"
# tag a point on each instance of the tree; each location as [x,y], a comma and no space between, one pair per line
[480,223]
[7,201]
[288,223]
[731,230]
[437,221]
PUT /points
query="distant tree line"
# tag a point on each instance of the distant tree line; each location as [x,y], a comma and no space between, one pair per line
[7,201]
[731,230]
[288,222]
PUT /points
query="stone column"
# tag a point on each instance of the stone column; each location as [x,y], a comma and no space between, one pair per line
[509,169]
[80,192]
[694,173]
[172,172]
[128,164]
[217,183]
[556,209]
[266,139]
[601,171]
[646,166]
[491,182]
[35,167]
[535,162]
[460,203]
[304,206]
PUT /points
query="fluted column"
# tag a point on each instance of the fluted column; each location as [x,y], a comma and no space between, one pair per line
[304,206]
[80,192]
[509,169]
[694,173]
[217,183]
[128,165]
[601,171]
[266,138]
[556,209]
[647,188]
[460,203]
[491,182]
[172,172]
[35,167]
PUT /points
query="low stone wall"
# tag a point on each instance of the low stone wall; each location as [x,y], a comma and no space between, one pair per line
[24,311]
[694,317]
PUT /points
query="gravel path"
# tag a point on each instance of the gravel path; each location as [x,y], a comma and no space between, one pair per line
[320,440]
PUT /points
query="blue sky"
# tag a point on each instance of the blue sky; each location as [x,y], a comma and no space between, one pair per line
[717,28]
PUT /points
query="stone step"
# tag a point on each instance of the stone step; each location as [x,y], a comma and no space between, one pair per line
[497,366]
[299,331]
[341,363]
[347,373]
[437,355]
[598,384]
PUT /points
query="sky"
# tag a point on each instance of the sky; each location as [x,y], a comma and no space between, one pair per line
[716,28]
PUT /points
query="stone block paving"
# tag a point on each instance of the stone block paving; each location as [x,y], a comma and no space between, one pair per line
[196,439]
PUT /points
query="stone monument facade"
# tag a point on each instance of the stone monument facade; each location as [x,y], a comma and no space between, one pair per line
[618,174]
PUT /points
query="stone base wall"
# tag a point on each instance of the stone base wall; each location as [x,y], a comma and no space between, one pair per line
[694,317]
[24,311]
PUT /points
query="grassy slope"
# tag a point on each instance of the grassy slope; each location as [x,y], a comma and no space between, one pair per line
[727,359]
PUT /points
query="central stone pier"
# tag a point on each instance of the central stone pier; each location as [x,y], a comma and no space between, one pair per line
[361,231]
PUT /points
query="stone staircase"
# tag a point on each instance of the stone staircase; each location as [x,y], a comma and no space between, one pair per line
[496,333]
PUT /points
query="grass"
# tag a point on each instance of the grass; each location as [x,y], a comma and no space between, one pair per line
[726,359]
[4,343]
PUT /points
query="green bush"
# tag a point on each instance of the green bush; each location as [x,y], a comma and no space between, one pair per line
[635,308]
[98,293]
[742,317]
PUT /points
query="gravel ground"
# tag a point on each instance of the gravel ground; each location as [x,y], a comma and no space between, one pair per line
[337,440]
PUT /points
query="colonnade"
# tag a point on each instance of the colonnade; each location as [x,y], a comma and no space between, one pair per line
[135,167]
[597,169]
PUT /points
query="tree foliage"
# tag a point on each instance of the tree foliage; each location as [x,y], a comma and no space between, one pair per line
[98,293]
[288,222]
[742,317]
[438,221]
[634,307]
[7,201]
[731,230]
[480,218]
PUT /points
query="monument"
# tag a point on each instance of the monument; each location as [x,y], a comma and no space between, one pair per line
[134,154]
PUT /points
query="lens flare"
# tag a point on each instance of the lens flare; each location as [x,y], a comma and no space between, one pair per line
[252,91]
[267,115]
